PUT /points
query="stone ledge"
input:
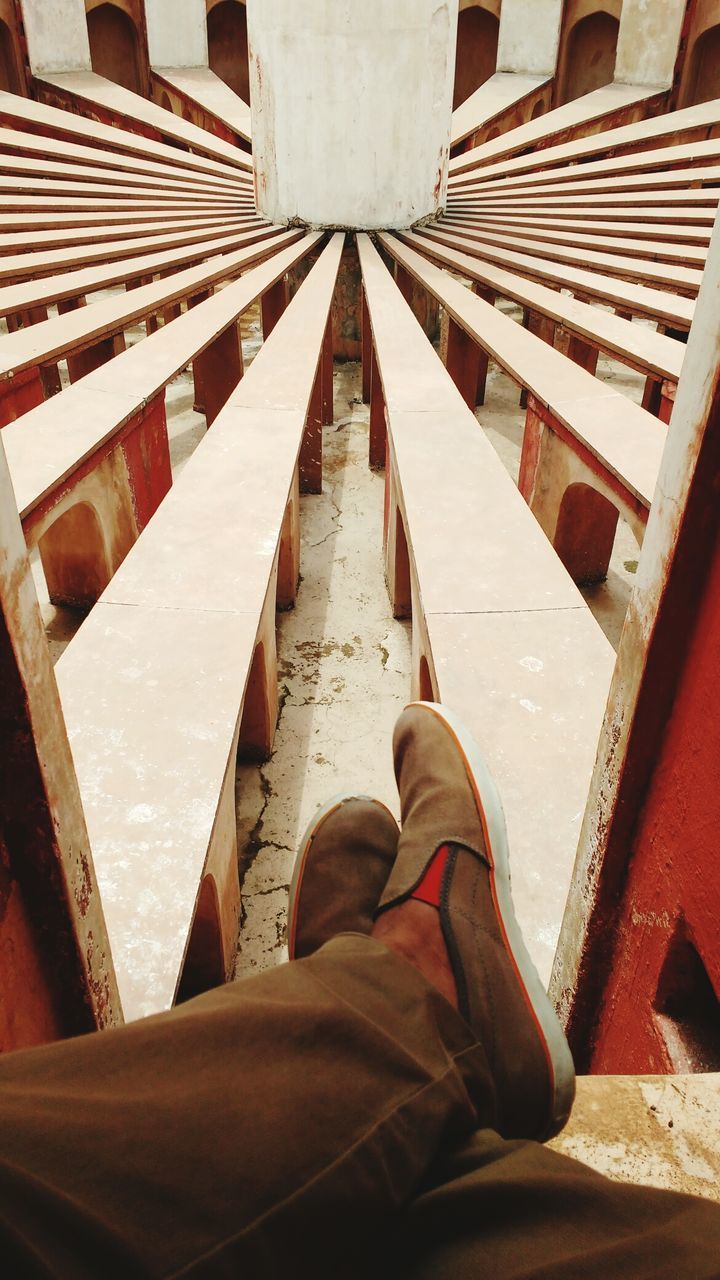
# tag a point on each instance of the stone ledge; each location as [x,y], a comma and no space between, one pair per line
[661,1131]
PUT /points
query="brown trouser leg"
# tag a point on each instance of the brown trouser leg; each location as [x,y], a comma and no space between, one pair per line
[314,1121]
[272,1127]
[517,1210]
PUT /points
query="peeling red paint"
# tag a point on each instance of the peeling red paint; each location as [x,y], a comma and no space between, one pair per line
[83,890]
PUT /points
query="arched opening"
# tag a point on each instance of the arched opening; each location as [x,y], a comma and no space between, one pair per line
[204,966]
[228,45]
[476,55]
[585,533]
[165,103]
[256,727]
[538,110]
[114,46]
[705,71]
[687,1010]
[590,55]
[289,557]
[74,558]
[8,67]
[426,693]
[401,580]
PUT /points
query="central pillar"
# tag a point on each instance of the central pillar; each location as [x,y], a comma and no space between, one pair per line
[351,105]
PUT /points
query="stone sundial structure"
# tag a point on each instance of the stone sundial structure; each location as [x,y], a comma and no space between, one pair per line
[298,297]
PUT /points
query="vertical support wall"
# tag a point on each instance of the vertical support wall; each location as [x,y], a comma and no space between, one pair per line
[529,36]
[57,36]
[177,33]
[351,107]
[648,42]
[56,973]
[637,972]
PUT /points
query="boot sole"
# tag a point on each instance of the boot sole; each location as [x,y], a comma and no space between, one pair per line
[490,811]
[319,817]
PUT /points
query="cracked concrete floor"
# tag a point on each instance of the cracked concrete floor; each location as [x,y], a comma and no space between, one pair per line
[344,662]
[344,670]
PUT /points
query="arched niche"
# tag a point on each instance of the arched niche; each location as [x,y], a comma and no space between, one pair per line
[704,78]
[477,42]
[700,75]
[9,78]
[74,557]
[115,45]
[228,44]
[13,71]
[204,966]
[589,46]
[426,692]
[585,533]
[257,724]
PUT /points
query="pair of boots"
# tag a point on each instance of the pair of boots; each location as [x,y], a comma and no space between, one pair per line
[437,891]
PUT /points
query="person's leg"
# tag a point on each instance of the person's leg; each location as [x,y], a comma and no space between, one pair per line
[520,1211]
[447,908]
[268,1128]
[493,1207]
[301,1121]
[342,866]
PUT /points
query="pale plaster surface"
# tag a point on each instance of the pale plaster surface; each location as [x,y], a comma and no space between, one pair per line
[318,156]
[657,351]
[177,33]
[186,429]
[502,561]
[152,746]
[503,422]
[115,98]
[529,36]
[532,686]
[497,94]
[623,437]
[154,722]
[57,35]
[592,106]
[647,132]
[648,41]
[209,91]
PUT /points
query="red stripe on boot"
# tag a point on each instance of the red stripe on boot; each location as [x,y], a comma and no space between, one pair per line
[429,887]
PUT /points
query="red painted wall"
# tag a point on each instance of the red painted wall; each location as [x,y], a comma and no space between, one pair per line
[660,1011]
